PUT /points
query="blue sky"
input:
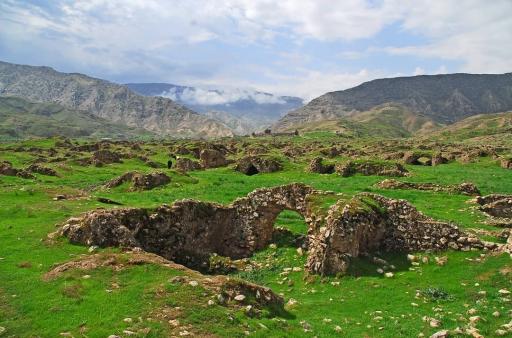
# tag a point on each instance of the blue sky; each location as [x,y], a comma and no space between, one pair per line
[290,47]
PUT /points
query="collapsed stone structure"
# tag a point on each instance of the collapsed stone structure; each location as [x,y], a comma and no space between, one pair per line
[189,231]
[498,207]
[463,188]
[42,170]
[212,158]
[252,165]
[184,164]
[101,157]
[140,181]
[506,163]
[7,169]
[369,167]
[317,166]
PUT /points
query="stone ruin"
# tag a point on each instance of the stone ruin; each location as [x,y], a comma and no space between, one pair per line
[317,166]
[139,180]
[252,165]
[369,167]
[464,188]
[498,207]
[189,232]
[7,169]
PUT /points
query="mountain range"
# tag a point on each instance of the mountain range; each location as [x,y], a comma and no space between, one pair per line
[436,99]
[40,101]
[243,110]
[112,102]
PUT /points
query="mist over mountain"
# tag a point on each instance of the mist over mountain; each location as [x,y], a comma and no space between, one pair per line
[444,98]
[249,110]
[112,102]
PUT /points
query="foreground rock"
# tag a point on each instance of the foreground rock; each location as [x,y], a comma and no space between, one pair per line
[189,232]
[464,188]
[368,168]
[140,181]
[252,165]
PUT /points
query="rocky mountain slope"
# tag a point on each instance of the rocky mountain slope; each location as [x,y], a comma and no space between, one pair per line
[442,98]
[113,102]
[248,110]
[20,118]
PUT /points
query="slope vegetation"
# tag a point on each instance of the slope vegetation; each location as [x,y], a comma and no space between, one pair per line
[20,118]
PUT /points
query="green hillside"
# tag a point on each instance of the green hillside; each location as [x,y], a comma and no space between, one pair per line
[21,119]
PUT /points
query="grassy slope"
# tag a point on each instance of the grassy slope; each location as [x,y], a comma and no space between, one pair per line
[382,121]
[22,119]
[477,126]
[30,306]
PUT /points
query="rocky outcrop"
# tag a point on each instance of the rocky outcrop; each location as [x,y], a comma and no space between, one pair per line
[184,164]
[316,166]
[252,165]
[140,181]
[464,188]
[190,232]
[368,168]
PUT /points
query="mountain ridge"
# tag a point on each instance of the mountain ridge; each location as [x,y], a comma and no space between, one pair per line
[108,100]
[445,98]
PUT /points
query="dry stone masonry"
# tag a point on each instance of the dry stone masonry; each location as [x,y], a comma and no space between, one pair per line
[463,188]
[189,232]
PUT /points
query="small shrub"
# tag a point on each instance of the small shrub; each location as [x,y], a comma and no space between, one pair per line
[436,294]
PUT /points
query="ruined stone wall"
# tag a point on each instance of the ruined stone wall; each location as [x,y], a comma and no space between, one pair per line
[189,231]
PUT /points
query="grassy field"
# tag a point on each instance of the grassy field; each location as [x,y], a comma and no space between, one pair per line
[131,301]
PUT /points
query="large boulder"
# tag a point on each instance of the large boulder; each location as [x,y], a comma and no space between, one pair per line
[252,165]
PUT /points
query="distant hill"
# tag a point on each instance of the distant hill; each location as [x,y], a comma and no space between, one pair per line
[444,99]
[499,124]
[20,118]
[249,110]
[110,101]
[389,120]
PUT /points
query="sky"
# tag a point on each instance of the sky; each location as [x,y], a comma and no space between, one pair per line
[299,48]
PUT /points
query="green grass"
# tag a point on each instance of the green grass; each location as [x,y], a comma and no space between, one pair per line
[30,306]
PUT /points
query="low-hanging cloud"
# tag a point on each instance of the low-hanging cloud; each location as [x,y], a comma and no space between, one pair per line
[210,97]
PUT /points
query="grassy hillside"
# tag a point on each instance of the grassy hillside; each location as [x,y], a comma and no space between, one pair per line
[142,301]
[477,126]
[20,118]
[383,121]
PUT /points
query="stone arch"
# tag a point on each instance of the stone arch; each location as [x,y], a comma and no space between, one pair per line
[189,231]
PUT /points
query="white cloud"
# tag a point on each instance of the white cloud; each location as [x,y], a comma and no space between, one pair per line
[157,39]
[221,96]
